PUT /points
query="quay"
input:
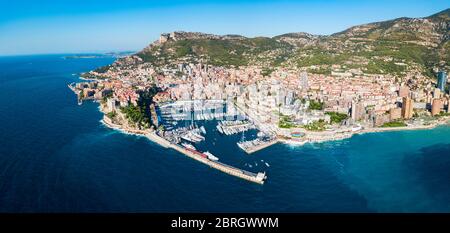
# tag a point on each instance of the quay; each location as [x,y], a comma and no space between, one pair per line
[260,146]
[246,175]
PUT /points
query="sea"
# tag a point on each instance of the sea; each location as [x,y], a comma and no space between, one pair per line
[56,156]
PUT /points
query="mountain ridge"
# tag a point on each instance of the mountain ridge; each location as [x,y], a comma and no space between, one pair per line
[395,47]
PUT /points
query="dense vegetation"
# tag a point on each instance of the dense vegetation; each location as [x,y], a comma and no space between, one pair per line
[102,69]
[315,105]
[319,125]
[391,47]
[336,117]
[396,51]
[111,115]
[443,114]
[140,114]
[394,124]
[266,72]
[220,52]
[136,115]
[285,122]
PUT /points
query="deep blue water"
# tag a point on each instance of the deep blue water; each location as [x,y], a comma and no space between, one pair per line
[55,156]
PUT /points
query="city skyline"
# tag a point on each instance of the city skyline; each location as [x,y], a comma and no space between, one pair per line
[240,107]
[103,26]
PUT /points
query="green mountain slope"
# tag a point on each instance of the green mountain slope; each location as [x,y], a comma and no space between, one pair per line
[391,47]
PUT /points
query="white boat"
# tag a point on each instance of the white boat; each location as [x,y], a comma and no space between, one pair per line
[189,146]
[197,136]
[188,138]
[220,129]
[267,165]
[211,156]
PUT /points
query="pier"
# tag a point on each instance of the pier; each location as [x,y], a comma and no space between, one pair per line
[256,145]
[246,175]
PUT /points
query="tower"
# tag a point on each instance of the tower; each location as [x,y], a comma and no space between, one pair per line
[303,83]
[442,80]
[403,91]
[407,108]
[436,107]
[357,110]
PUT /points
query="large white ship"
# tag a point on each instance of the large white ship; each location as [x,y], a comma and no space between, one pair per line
[189,146]
[211,156]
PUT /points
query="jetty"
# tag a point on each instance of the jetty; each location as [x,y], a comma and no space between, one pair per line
[256,145]
[246,175]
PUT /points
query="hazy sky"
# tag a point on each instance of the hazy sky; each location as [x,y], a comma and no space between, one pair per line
[66,26]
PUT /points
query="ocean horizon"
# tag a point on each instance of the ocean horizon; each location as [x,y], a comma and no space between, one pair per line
[56,156]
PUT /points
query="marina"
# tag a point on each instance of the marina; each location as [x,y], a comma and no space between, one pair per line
[197,110]
[234,127]
[180,120]
[191,151]
[230,121]
[191,133]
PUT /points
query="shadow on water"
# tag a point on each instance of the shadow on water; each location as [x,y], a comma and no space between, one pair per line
[431,166]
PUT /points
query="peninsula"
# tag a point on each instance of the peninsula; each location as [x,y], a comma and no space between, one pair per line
[293,88]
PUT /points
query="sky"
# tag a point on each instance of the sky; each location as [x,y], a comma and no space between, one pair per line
[84,26]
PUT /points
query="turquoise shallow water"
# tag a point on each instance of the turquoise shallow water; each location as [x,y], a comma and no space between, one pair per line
[55,156]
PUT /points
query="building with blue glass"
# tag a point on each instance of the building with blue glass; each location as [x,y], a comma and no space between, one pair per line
[442,80]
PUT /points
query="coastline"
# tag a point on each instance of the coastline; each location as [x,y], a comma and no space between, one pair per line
[258,178]
[311,137]
[318,138]
[346,135]
[106,121]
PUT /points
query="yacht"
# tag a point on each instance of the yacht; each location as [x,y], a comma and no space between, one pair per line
[211,156]
[189,146]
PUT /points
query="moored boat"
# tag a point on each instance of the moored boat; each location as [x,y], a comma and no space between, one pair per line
[211,156]
[189,146]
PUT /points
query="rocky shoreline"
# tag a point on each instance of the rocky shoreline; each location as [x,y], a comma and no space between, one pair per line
[342,136]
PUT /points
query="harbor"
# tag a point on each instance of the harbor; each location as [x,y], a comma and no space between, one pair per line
[180,121]
[190,151]
[231,120]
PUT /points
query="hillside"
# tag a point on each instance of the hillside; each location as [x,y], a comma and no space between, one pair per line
[390,47]
[230,50]
[396,47]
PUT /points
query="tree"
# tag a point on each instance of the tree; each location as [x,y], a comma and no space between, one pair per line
[315,105]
